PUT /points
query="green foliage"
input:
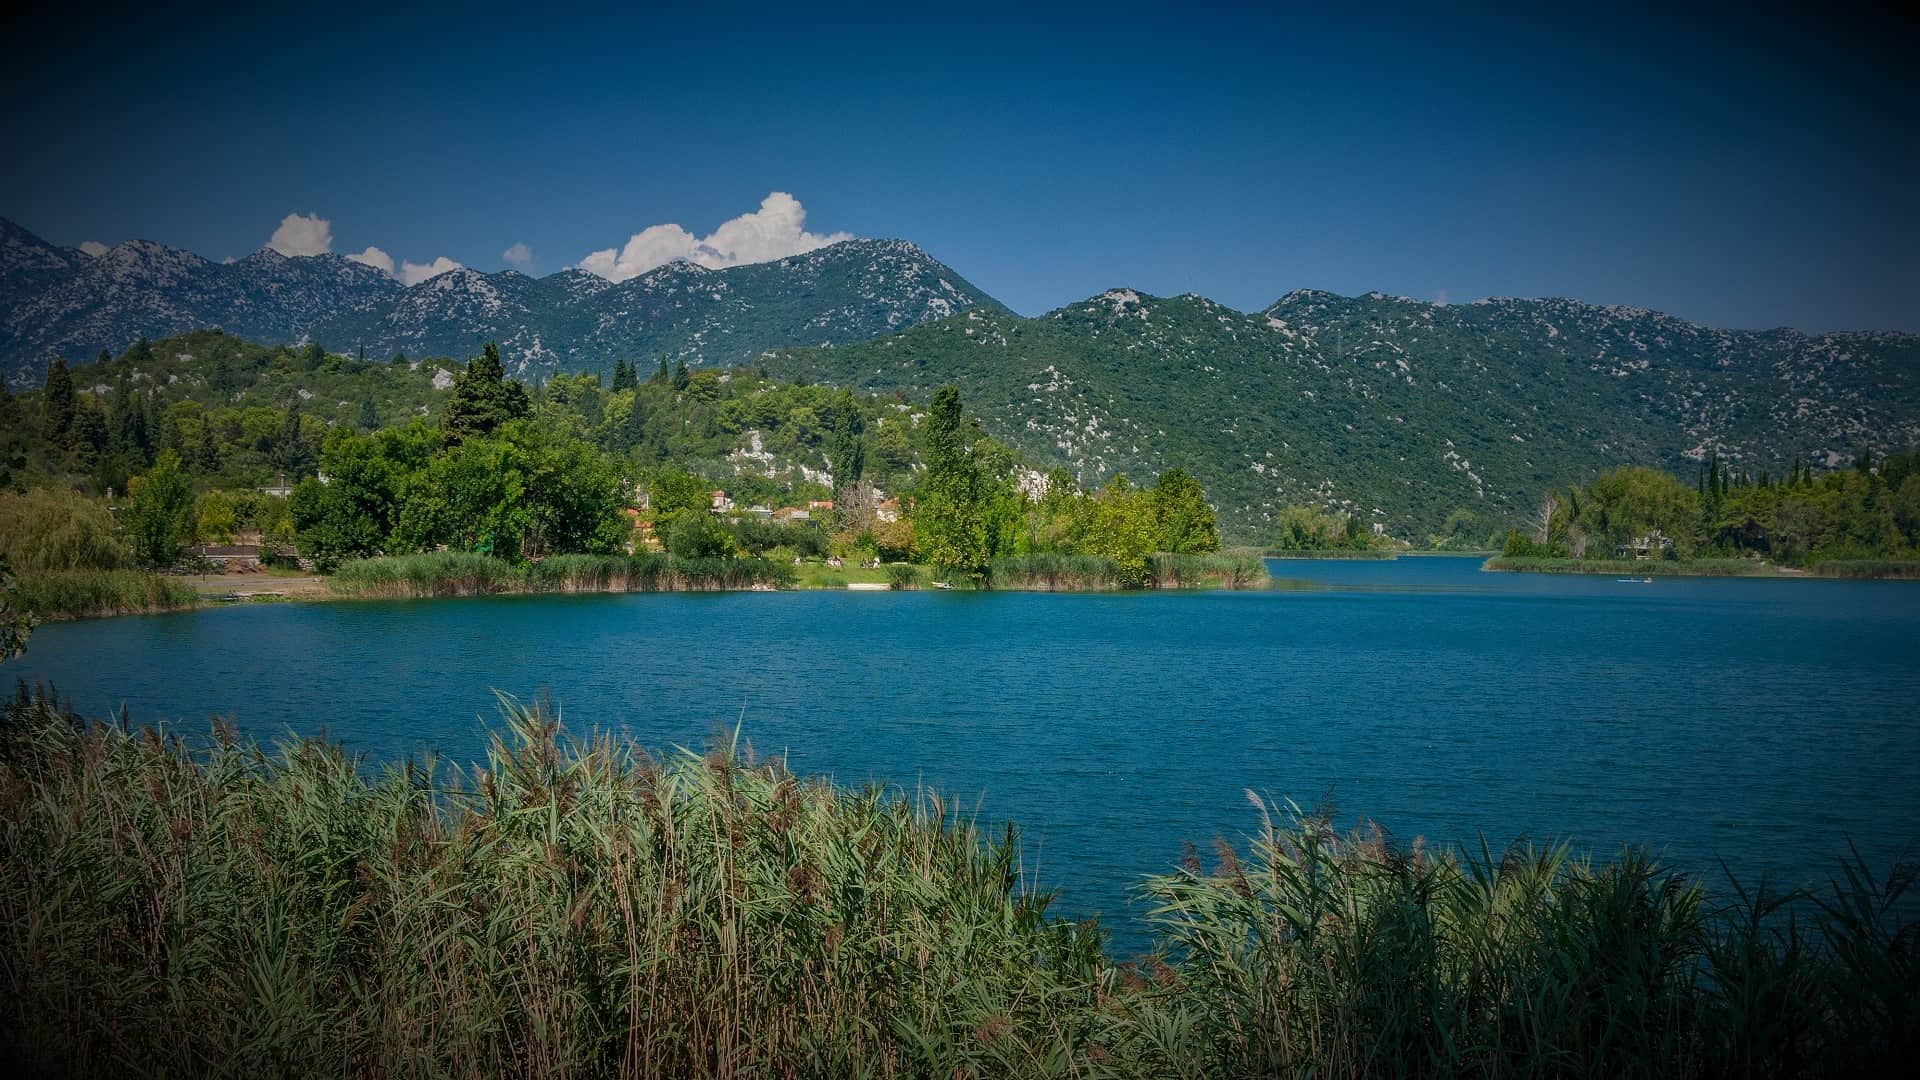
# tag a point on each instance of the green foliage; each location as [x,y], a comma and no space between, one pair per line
[483,398]
[79,594]
[1182,517]
[16,622]
[1383,404]
[57,403]
[465,573]
[159,519]
[696,534]
[1303,528]
[44,530]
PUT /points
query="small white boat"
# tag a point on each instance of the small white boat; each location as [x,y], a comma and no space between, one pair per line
[868,586]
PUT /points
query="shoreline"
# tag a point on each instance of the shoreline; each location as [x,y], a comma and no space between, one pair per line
[1834,570]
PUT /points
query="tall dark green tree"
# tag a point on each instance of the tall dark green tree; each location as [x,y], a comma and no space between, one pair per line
[681,376]
[950,523]
[369,414]
[846,450]
[291,453]
[483,398]
[57,403]
[623,375]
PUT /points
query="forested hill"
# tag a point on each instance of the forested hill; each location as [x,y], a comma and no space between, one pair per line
[1430,419]
[61,301]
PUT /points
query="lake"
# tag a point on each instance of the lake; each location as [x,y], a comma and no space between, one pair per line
[1764,723]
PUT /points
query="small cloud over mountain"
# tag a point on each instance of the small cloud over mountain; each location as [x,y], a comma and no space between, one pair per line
[774,231]
[375,258]
[302,234]
[413,273]
[519,256]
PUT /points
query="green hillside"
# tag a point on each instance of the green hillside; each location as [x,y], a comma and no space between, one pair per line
[1426,419]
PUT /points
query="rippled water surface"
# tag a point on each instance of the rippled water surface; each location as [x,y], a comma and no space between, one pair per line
[1759,722]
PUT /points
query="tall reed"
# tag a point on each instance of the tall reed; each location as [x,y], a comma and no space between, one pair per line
[459,573]
[574,907]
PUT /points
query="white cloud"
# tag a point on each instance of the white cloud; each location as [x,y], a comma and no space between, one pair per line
[775,231]
[310,234]
[93,247]
[519,255]
[413,273]
[375,258]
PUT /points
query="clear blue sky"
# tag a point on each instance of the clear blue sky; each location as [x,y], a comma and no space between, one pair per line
[1753,173]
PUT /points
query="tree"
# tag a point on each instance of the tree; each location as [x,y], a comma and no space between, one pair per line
[624,377]
[483,398]
[1183,519]
[369,414]
[681,377]
[949,525]
[57,403]
[215,518]
[291,453]
[160,518]
[697,535]
[846,450]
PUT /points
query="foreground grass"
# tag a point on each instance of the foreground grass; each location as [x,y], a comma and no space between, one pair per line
[80,594]
[577,908]
[459,573]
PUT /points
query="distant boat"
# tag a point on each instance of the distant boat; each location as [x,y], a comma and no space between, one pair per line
[1635,581]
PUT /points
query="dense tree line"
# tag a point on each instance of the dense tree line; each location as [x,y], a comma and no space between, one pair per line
[469,458]
[1869,511]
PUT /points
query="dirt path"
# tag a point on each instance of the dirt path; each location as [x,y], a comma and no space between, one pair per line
[219,585]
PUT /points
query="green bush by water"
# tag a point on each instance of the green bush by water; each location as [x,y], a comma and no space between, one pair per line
[578,908]
[89,593]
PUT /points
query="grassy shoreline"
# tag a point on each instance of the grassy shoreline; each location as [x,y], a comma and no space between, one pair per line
[61,595]
[1848,569]
[577,907]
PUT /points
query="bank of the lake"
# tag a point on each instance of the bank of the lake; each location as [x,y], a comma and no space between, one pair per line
[1834,569]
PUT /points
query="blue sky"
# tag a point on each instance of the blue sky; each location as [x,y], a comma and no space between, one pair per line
[1753,174]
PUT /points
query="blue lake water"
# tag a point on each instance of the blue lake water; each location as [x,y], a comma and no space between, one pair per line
[1763,723]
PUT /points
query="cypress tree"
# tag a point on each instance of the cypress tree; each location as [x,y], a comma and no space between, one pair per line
[661,375]
[681,377]
[624,376]
[369,414]
[57,402]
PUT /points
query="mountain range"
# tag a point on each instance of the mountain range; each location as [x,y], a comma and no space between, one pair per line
[1428,419]
[62,301]
[1399,410]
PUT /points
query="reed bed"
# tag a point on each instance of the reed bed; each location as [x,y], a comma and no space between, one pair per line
[574,907]
[456,573]
[1879,569]
[1637,567]
[1050,572]
[81,594]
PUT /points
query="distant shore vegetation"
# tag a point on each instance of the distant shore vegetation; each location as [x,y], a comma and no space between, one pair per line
[146,477]
[1862,521]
